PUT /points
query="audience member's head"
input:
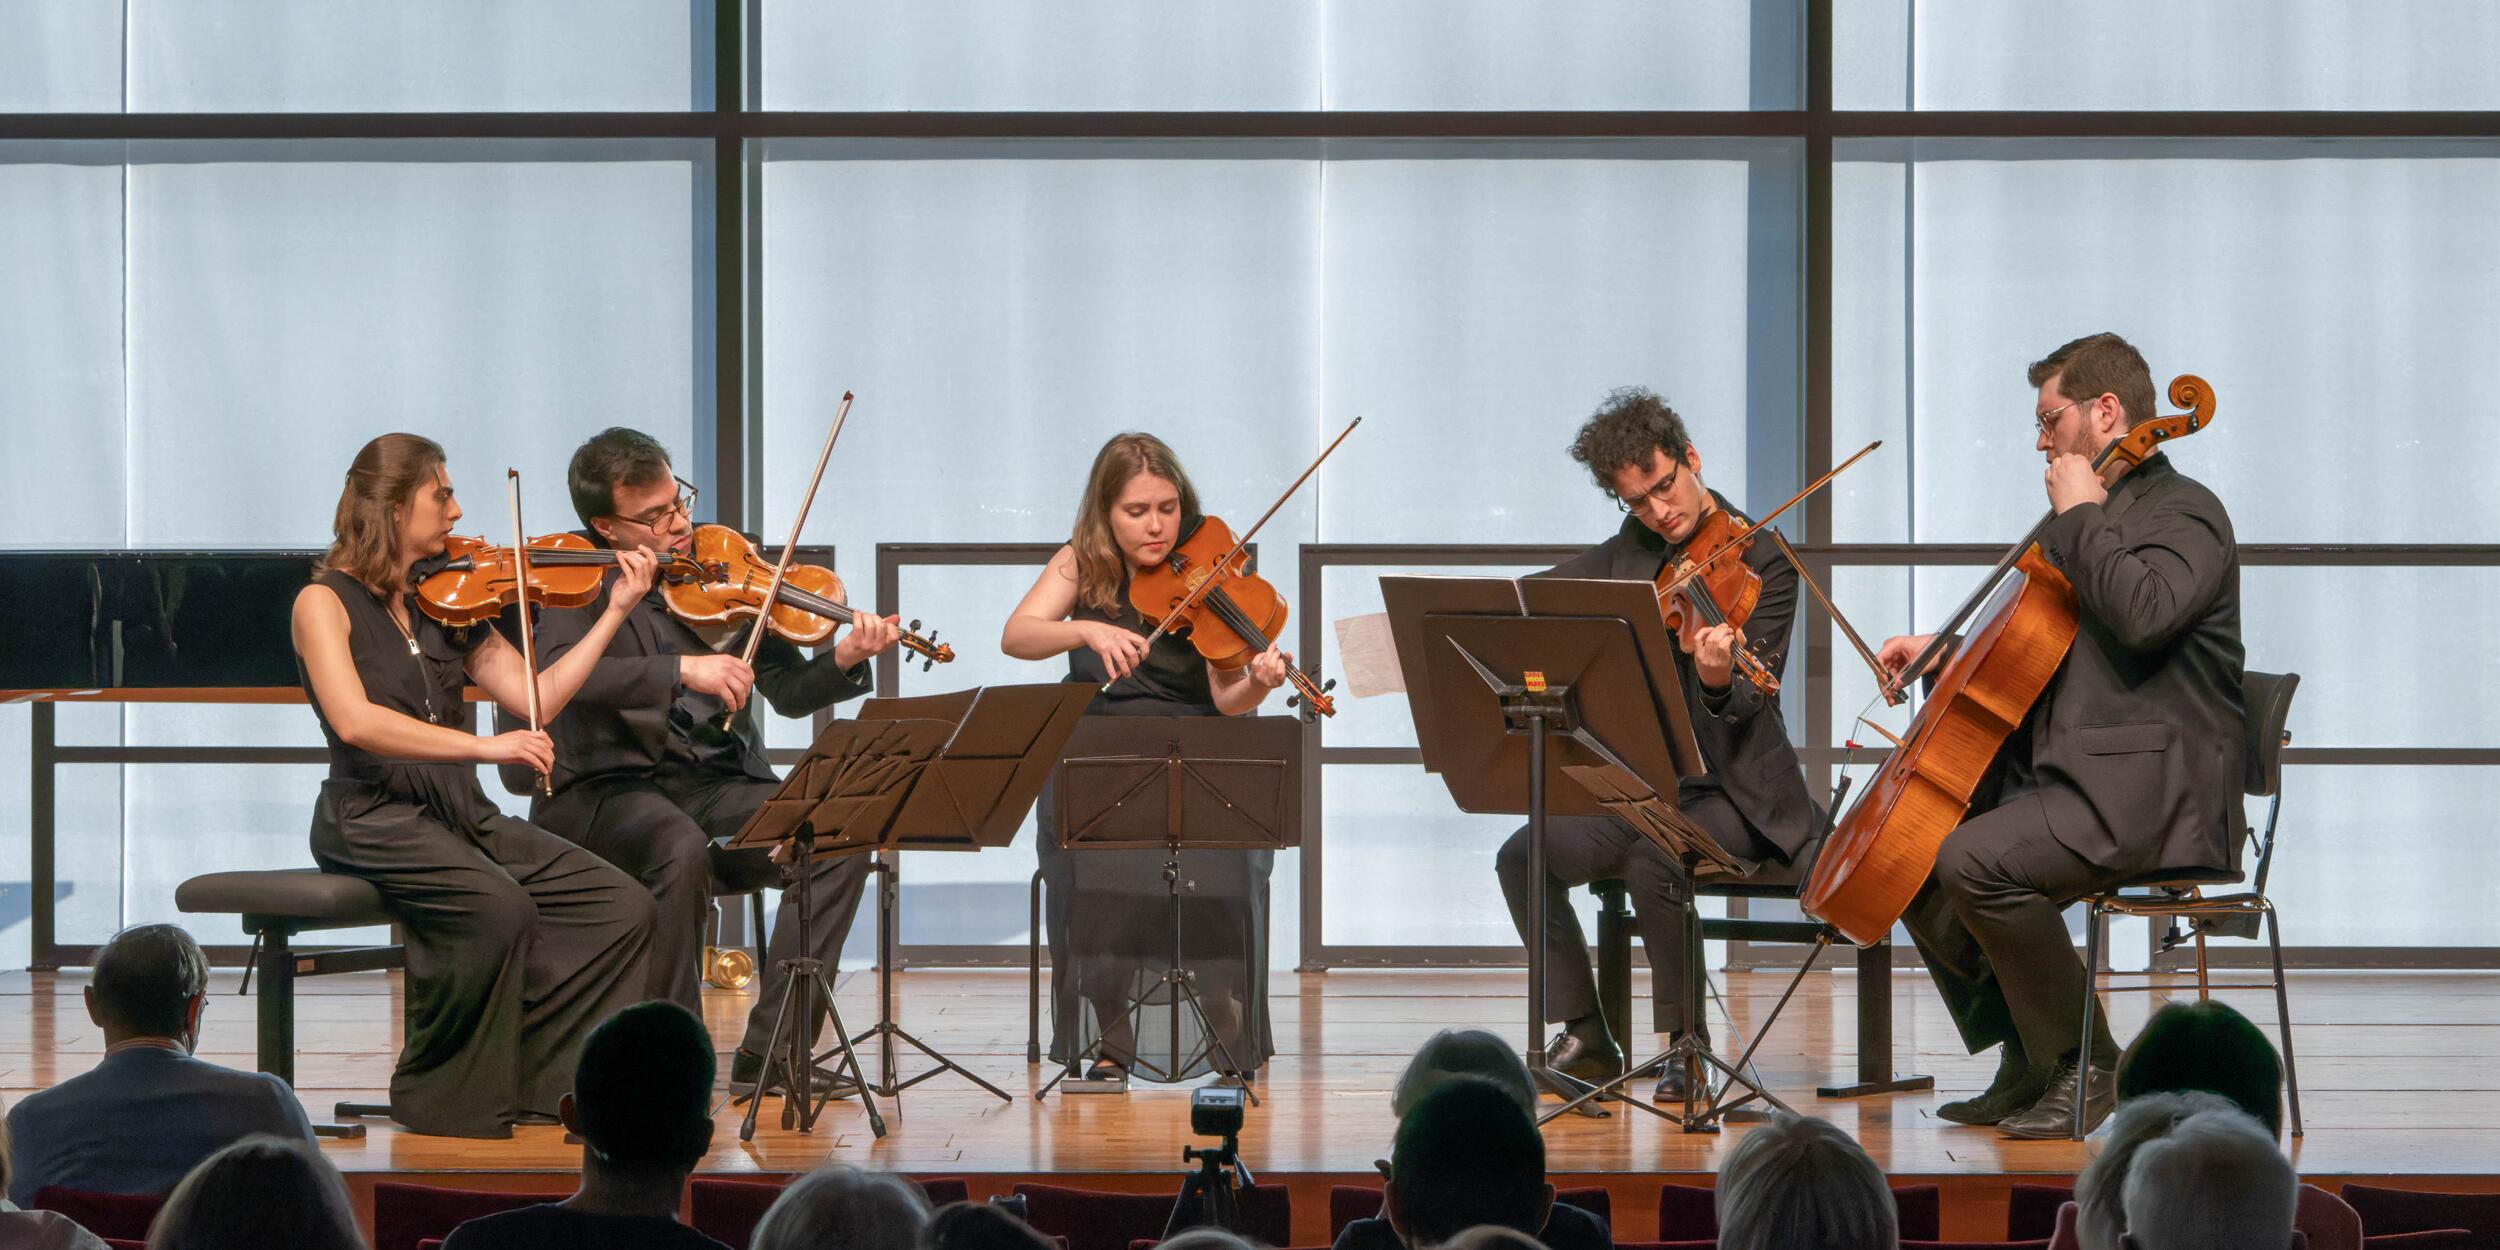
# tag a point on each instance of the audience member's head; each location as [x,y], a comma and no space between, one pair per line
[979,1226]
[2100,1204]
[1492,1237]
[1466,1154]
[642,1093]
[1800,1181]
[844,1208]
[1463,1052]
[259,1192]
[151,980]
[2216,1182]
[2206,1046]
[1205,1237]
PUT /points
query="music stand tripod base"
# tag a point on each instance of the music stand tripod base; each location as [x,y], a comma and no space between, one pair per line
[789,1053]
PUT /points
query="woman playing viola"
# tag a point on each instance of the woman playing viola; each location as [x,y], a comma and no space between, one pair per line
[1109,914]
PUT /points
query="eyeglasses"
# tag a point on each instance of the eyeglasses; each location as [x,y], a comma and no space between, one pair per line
[683,506]
[1656,493]
[2042,421]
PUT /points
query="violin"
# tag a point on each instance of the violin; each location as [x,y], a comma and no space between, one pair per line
[1722,592]
[810,604]
[721,583]
[1231,614]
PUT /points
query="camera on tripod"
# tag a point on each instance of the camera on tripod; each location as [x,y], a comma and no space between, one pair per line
[1216,1112]
[1210,1195]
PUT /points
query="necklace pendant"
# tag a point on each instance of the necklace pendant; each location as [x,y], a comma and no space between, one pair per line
[412,647]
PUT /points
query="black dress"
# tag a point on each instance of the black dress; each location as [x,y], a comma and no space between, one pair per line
[519,942]
[1108,914]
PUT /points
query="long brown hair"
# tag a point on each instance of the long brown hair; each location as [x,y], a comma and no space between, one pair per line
[380,481]
[1100,566]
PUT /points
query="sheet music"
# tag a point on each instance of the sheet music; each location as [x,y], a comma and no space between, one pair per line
[1368,656]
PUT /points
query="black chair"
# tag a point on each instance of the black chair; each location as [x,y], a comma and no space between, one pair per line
[274,907]
[2182,895]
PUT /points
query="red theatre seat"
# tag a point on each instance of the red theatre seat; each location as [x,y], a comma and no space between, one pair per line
[406,1216]
[2385,1211]
[122,1217]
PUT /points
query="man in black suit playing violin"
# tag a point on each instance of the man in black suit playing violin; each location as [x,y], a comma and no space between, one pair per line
[2129,762]
[647,778]
[1752,800]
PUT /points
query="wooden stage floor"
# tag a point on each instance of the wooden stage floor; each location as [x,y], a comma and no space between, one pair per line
[2396,1083]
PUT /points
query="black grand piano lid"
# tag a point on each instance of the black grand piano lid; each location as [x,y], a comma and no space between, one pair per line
[140,618]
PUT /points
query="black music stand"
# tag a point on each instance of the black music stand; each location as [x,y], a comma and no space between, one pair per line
[1171,783]
[1515,684]
[971,796]
[949,772]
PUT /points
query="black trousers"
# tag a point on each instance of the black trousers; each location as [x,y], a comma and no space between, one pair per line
[1990,924]
[661,829]
[1581,849]
[519,943]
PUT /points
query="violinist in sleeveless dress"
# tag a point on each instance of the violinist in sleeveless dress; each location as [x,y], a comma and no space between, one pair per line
[1108,914]
[518,942]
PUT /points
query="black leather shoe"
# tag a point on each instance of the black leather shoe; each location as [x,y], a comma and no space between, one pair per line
[1582,1059]
[2016,1087]
[2053,1116]
[1671,1084]
[746,1067]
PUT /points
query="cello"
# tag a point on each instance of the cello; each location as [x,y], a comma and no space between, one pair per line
[1879,855]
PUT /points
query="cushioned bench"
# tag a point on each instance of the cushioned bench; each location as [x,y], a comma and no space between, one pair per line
[274,906]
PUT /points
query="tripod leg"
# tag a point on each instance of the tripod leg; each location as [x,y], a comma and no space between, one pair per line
[754,1098]
[944,1063]
[850,1057]
[1189,994]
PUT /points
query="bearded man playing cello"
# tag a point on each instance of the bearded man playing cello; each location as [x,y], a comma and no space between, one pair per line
[2129,762]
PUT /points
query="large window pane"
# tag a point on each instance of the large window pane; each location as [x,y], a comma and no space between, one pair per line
[2341,828]
[1282,55]
[1481,301]
[61,342]
[978,56]
[2154,54]
[61,56]
[374,56]
[1561,54]
[2295,277]
[224,324]
[291,301]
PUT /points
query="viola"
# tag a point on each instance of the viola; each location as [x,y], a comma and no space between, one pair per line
[1722,592]
[1880,854]
[1231,614]
[721,583]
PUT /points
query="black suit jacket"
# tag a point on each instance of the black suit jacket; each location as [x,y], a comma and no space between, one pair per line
[2139,744]
[1741,733]
[630,707]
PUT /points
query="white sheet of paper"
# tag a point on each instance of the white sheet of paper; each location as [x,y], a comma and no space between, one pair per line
[1369,656]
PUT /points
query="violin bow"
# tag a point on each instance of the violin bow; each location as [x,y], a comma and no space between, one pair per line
[781,570]
[1881,677]
[529,636]
[1243,543]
